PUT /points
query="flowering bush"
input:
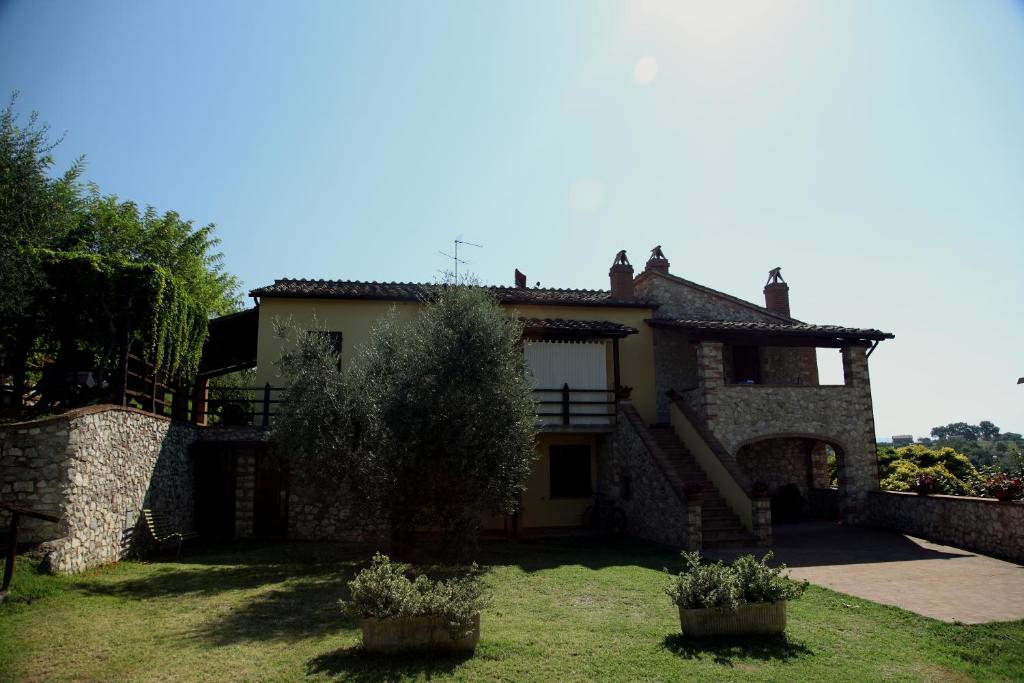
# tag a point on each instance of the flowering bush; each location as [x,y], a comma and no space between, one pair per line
[1004,487]
[747,581]
[922,484]
[383,590]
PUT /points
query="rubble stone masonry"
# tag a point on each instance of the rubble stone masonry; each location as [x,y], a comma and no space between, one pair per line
[981,524]
[96,468]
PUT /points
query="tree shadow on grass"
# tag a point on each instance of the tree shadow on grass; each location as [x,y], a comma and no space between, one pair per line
[357,664]
[726,650]
[289,613]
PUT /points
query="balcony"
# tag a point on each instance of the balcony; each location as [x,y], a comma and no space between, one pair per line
[574,409]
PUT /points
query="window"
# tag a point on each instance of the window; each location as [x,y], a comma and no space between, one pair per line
[746,365]
[334,339]
[570,471]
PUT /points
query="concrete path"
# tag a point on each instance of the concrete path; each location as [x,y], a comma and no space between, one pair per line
[894,569]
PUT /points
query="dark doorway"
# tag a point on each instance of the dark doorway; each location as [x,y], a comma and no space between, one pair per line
[787,504]
[270,505]
[214,473]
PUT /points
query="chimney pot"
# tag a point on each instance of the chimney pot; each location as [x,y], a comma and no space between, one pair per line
[621,277]
[520,280]
[776,293]
[657,262]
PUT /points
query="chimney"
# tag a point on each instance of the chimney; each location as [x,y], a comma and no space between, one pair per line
[657,262]
[520,280]
[621,276]
[776,293]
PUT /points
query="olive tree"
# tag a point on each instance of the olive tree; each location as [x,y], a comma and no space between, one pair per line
[433,425]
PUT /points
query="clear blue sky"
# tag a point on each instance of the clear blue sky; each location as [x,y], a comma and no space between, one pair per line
[873,149]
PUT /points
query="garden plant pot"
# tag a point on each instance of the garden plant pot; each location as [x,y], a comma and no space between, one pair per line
[416,633]
[765,618]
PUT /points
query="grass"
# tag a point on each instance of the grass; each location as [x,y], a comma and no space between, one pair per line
[565,610]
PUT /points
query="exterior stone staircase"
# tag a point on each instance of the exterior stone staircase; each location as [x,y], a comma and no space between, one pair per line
[720,525]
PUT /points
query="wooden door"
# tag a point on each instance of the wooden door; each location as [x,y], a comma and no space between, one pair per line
[270,506]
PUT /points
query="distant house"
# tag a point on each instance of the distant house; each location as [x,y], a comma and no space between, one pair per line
[903,440]
[699,414]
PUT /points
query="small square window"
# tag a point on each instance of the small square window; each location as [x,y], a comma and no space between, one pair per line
[570,471]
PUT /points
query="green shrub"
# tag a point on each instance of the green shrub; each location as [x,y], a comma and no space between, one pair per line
[760,583]
[704,585]
[383,590]
[954,473]
[747,580]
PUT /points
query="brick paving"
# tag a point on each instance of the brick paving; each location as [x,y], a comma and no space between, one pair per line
[933,580]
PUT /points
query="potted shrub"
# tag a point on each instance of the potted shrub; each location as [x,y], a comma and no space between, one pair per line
[1004,487]
[923,484]
[746,598]
[399,613]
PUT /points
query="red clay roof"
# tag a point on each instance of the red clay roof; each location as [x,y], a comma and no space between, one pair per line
[792,329]
[597,328]
[414,291]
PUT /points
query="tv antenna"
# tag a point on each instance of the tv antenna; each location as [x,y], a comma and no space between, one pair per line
[456,258]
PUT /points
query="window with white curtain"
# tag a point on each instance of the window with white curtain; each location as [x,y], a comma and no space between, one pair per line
[581,365]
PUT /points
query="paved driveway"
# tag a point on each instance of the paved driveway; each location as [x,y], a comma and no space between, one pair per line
[884,566]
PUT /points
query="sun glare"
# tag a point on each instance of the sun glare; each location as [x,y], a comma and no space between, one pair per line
[646,70]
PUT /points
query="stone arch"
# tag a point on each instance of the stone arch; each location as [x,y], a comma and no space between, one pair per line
[795,463]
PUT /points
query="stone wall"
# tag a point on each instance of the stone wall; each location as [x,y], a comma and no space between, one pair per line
[842,415]
[96,468]
[789,366]
[655,508]
[777,462]
[675,367]
[981,524]
[681,299]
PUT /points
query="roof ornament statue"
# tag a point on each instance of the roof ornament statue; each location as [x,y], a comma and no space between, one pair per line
[620,259]
[775,276]
[657,254]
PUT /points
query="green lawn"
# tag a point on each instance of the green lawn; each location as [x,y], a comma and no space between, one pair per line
[562,611]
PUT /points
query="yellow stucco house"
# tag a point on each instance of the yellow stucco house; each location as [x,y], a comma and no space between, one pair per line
[687,410]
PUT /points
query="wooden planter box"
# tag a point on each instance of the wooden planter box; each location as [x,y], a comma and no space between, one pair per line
[416,633]
[765,618]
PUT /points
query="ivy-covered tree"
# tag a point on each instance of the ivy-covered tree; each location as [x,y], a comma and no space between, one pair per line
[84,275]
[434,425]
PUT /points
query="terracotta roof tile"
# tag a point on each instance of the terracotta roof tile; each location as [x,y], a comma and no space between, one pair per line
[797,329]
[414,291]
[605,328]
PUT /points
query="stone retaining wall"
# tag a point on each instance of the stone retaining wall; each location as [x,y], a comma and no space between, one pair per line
[96,468]
[655,509]
[981,524]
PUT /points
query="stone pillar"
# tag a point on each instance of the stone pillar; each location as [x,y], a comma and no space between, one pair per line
[819,465]
[762,513]
[710,377]
[859,472]
[694,523]
[245,493]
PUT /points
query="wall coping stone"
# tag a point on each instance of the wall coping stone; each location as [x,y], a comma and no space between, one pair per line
[82,412]
[945,497]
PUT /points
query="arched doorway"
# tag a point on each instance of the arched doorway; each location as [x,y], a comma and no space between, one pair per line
[802,473]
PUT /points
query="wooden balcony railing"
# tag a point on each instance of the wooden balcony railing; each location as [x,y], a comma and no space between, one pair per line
[569,406]
[256,406]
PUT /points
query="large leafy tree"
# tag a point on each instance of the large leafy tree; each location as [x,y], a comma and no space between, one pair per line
[108,226]
[37,209]
[78,270]
[434,425]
